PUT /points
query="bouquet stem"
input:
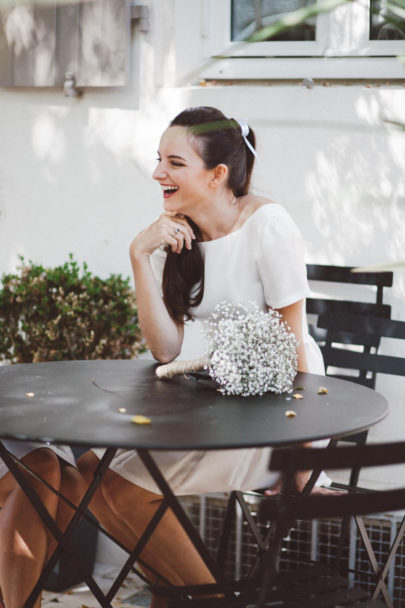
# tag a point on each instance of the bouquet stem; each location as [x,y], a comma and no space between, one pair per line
[177,368]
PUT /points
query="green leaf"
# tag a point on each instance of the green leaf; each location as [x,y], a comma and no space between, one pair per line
[397,9]
[52,314]
[395,123]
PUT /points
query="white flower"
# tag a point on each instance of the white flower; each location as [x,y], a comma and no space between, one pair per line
[252,352]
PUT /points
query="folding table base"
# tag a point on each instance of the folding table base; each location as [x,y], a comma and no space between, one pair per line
[231,590]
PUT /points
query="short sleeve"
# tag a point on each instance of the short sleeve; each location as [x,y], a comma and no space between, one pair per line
[281,261]
[157,262]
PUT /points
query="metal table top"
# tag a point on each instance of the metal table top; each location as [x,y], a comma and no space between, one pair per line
[82,403]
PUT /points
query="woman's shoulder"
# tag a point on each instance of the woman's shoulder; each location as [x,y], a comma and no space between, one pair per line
[258,208]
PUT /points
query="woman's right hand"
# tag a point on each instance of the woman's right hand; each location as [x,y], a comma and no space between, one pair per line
[168,229]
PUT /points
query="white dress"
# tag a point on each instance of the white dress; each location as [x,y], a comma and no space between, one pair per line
[262,261]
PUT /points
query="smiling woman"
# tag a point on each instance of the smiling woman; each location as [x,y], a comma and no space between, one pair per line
[214,242]
[195,158]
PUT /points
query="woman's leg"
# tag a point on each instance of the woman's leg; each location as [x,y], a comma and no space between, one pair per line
[73,487]
[128,507]
[24,539]
[111,523]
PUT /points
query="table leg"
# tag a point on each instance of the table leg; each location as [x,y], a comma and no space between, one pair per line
[169,501]
[179,512]
[62,538]
[136,552]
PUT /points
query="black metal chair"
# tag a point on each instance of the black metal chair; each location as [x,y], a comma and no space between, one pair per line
[345,358]
[315,586]
[326,276]
[352,329]
[327,308]
[345,274]
[351,351]
[361,330]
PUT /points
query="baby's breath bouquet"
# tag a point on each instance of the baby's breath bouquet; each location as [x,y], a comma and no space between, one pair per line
[252,352]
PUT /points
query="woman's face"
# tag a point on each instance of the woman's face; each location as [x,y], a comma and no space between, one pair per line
[181,173]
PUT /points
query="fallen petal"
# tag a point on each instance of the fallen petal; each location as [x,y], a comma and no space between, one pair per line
[139,419]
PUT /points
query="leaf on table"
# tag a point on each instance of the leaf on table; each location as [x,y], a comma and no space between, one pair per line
[139,419]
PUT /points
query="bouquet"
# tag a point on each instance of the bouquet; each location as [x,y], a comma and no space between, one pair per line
[251,352]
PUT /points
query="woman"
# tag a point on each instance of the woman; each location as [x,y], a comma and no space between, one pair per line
[25,542]
[213,242]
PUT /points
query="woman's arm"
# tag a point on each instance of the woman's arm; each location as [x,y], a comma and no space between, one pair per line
[292,315]
[163,335]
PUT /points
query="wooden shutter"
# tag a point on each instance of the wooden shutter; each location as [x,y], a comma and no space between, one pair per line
[39,44]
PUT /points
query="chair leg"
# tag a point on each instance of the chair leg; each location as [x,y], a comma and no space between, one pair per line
[226,530]
[270,564]
[382,587]
[390,557]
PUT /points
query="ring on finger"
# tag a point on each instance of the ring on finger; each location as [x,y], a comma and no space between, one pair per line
[177,230]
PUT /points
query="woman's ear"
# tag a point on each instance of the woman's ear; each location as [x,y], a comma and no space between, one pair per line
[219,175]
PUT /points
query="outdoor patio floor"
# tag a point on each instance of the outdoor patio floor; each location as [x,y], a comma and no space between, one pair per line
[133,593]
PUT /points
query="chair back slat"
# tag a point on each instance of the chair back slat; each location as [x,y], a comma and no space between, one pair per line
[344,337]
[348,359]
[345,274]
[367,325]
[314,507]
[288,461]
[370,455]
[319,306]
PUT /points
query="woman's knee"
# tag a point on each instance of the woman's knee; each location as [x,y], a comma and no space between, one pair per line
[73,485]
[87,464]
[122,494]
[118,492]
[45,463]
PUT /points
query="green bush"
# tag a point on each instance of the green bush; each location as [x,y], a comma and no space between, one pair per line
[54,314]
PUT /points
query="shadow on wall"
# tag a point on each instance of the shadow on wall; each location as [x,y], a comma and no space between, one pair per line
[343,180]
[87,183]
[357,189]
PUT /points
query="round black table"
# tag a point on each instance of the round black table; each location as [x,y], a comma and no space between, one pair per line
[82,403]
[91,403]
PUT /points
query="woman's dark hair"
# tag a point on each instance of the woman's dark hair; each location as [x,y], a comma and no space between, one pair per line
[218,140]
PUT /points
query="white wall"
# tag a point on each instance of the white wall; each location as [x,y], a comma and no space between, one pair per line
[75,173]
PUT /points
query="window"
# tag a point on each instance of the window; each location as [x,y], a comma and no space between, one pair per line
[384,24]
[247,17]
[359,39]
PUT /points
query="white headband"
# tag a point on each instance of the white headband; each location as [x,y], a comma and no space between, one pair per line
[244,127]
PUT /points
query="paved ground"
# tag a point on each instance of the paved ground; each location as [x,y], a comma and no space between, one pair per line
[132,594]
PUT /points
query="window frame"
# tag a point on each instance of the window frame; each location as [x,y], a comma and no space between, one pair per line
[342,49]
